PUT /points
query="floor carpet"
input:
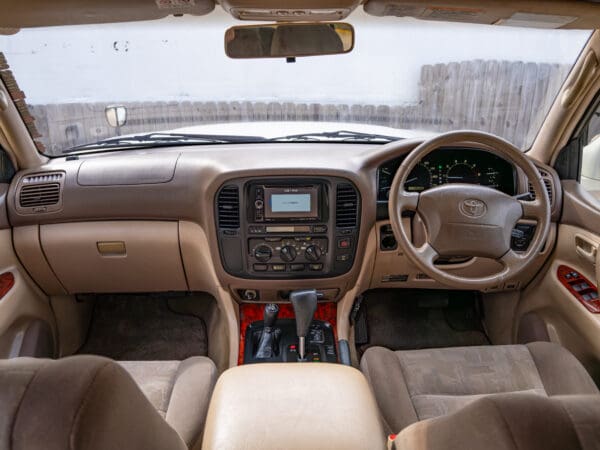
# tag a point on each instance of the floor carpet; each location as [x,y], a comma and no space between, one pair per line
[143,328]
[407,320]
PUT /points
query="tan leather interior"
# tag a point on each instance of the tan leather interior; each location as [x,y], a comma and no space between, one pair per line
[37,13]
[23,302]
[88,402]
[147,222]
[518,420]
[417,385]
[315,406]
[575,14]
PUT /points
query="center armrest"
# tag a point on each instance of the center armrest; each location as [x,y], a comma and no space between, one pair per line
[293,406]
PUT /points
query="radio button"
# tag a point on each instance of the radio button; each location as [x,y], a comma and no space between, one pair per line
[319,228]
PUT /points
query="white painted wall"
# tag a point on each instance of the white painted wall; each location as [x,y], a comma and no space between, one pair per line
[183,59]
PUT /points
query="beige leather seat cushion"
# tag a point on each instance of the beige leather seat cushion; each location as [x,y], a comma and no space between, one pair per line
[510,422]
[89,402]
[179,390]
[411,386]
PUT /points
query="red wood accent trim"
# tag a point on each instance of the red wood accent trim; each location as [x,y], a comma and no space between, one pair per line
[7,281]
[253,312]
[580,287]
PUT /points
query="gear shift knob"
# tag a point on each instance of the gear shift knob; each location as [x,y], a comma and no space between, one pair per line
[304,303]
[270,315]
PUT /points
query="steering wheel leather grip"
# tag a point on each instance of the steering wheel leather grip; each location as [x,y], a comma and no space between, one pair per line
[469,220]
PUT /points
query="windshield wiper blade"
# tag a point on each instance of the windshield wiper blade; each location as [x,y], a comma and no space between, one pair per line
[164,139]
[340,135]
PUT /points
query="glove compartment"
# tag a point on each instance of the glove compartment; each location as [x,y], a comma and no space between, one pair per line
[116,256]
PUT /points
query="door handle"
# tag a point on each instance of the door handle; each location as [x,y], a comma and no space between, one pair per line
[586,249]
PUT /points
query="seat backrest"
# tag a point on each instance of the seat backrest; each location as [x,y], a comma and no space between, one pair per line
[79,402]
[511,421]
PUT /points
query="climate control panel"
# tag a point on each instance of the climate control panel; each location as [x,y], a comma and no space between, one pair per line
[287,254]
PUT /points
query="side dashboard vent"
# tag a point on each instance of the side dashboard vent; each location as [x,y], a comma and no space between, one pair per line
[346,206]
[40,193]
[549,188]
[228,207]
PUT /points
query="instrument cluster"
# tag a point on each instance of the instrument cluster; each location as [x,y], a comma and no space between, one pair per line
[450,165]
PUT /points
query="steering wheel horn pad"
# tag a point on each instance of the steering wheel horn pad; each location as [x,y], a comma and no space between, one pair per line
[471,220]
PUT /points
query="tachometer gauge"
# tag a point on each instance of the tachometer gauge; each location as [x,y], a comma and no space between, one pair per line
[419,179]
[462,173]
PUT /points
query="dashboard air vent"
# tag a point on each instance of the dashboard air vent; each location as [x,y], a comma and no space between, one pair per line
[549,189]
[40,193]
[346,206]
[228,206]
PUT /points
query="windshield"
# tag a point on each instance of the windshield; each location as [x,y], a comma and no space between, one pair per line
[407,77]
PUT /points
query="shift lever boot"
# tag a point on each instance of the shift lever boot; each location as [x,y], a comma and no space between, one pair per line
[305,305]
[270,334]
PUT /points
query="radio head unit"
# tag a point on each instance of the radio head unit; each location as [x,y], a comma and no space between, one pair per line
[275,203]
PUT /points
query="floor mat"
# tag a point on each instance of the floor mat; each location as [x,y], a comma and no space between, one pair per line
[143,328]
[407,320]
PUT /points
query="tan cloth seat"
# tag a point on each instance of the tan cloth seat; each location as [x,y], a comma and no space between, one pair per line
[88,402]
[510,422]
[411,386]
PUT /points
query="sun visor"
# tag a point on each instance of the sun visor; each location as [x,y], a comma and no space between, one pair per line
[572,14]
[41,13]
[294,10]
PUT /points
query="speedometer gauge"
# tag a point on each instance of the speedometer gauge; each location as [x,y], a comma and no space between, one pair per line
[419,179]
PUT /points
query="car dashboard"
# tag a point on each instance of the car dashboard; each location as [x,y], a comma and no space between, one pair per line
[257,220]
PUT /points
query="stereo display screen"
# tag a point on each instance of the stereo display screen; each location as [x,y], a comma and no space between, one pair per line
[291,202]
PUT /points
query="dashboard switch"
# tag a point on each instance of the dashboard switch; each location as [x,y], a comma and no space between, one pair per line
[344,243]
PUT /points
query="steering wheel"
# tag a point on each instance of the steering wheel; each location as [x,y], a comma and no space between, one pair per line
[469,220]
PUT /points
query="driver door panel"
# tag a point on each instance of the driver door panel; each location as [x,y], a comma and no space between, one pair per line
[551,307]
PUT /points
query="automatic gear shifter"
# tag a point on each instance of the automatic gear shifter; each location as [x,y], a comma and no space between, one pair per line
[270,334]
[305,305]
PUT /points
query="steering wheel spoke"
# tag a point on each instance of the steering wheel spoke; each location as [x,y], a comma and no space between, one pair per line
[532,209]
[407,201]
[512,259]
[427,253]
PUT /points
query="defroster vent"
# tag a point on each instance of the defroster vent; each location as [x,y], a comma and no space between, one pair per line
[228,207]
[346,206]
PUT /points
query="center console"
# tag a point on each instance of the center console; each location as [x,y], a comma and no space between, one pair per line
[293,406]
[288,228]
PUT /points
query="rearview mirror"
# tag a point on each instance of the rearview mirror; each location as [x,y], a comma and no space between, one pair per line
[289,40]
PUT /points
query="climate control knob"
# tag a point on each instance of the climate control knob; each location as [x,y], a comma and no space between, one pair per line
[263,253]
[313,253]
[287,253]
